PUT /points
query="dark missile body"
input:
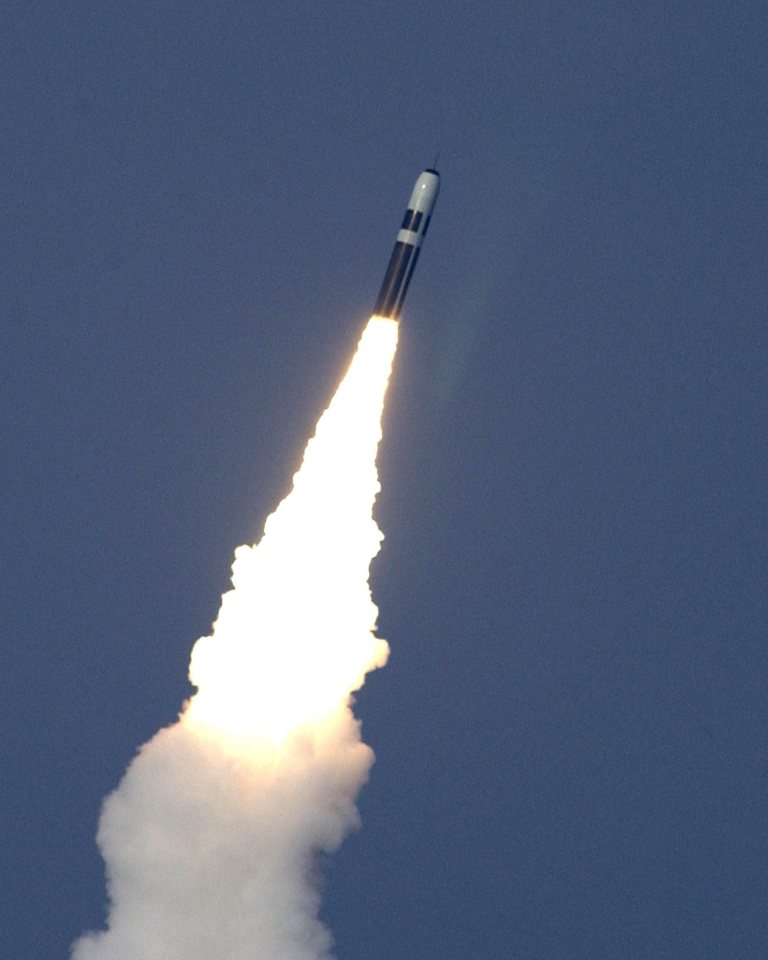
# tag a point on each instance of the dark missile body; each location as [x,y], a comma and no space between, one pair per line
[402,263]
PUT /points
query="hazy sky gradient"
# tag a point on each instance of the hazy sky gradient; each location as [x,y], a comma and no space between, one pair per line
[200,200]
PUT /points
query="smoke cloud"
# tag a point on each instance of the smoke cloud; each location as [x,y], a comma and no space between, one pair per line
[211,839]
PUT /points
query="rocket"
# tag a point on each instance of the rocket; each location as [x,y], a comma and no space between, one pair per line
[389,303]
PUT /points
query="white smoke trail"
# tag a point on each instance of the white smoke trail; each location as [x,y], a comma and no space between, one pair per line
[210,840]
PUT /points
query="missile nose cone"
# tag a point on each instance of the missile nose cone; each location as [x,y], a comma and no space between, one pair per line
[408,245]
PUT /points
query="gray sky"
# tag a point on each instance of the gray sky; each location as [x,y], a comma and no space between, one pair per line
[200,200]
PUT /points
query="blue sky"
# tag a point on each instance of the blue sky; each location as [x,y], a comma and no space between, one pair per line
[199,205]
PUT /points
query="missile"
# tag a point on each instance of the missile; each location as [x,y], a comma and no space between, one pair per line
[389,303]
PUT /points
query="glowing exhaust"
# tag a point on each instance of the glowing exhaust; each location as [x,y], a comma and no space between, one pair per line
[209,841]
[295,635]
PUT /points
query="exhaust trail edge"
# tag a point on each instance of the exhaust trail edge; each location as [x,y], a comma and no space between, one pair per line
[411,235]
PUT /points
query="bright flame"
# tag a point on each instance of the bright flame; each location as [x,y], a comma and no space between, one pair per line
[295,635]
[210,839]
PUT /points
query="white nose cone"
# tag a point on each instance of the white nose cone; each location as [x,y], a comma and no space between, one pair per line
[425,192]
[409,239]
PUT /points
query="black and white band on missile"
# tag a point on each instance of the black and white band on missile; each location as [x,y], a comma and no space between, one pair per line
[402,263]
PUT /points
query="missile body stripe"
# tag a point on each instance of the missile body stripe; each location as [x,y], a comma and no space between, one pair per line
[389,297]
[412,231]
[411,268]
[407,236]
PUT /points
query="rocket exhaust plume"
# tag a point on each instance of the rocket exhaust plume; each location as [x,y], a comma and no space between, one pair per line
[211,838]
